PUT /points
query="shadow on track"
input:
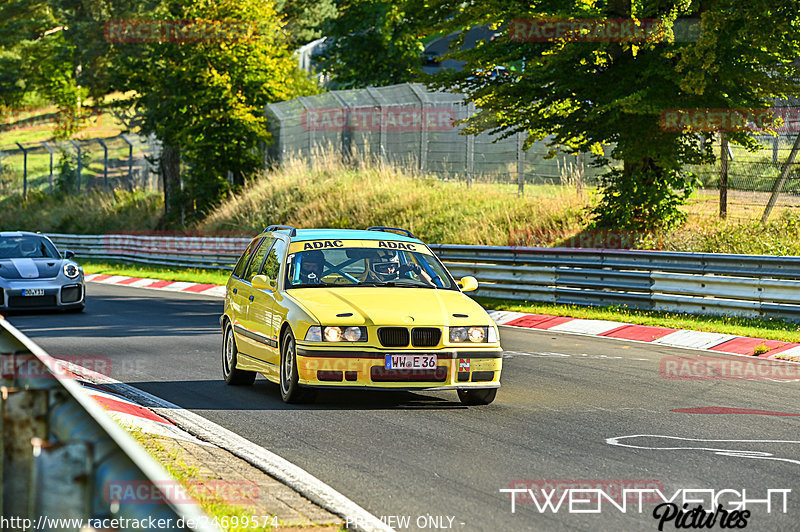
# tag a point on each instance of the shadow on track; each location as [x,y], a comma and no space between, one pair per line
[264,395]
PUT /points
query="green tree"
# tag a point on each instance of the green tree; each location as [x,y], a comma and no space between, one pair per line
[303,19]
[371,42]
[586,95]
[204,98]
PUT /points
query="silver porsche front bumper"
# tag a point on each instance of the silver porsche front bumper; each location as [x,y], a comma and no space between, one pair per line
[42,294]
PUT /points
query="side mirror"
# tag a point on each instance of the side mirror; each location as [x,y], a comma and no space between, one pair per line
[468,284]
[261,282]
[69,254]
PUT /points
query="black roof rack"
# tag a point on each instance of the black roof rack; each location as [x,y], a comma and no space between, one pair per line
[391,229]
[292,231]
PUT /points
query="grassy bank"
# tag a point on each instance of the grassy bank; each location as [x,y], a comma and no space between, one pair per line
[337,196]
[93,213]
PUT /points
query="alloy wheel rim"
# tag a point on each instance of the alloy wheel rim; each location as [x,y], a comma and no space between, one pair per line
[288,357]
[228,351]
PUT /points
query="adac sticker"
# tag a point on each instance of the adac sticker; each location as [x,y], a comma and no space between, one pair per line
[463,364]
[322,244]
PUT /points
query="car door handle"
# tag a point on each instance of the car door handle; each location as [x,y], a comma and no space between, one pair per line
[250,298]
[235,290]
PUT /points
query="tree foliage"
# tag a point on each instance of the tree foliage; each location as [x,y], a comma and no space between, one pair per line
[592,96]
[371,42]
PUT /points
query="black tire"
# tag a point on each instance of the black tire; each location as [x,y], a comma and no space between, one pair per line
[290,389]
[230,356]
[477,397]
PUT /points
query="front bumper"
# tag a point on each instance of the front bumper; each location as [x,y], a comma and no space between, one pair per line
[58,295]
[457,369]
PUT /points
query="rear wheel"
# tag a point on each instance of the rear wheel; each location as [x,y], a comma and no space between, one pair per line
[230,356]
[290,389]
[477,397]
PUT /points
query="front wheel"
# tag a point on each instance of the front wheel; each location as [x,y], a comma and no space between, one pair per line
[290,389]
[477,397]
[230,355]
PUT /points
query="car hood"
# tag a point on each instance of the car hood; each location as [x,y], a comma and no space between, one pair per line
[29,268]
[390,306]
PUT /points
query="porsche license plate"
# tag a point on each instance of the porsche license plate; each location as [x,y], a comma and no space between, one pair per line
[410,362]
[33,292]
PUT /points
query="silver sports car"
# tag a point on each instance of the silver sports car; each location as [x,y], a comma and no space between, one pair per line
[34,275]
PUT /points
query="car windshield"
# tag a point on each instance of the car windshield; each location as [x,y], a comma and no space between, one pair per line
[361,266]
[26,247]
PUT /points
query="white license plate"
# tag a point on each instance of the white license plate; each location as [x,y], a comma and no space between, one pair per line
[410,362]
[33,292]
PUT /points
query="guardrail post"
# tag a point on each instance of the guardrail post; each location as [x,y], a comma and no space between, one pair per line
[24,417]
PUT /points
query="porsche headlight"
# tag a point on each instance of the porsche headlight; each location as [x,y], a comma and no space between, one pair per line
[473,335]
[71,270]
[336,334]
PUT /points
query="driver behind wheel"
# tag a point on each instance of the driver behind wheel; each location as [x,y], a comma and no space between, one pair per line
[311,265]
[388,267]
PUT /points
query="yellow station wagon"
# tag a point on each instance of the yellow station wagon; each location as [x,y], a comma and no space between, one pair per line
[363,309]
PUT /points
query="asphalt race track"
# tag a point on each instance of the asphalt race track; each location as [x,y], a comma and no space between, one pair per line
[583,411]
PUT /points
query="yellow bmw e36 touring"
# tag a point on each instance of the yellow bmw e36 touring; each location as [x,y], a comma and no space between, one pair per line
[363,309]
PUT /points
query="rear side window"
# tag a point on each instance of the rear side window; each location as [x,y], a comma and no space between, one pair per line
[258,258]
[272,265]
[239,268]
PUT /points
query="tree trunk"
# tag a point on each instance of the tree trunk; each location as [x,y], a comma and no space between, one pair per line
[170,165]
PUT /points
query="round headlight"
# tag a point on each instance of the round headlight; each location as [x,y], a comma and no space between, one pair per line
[352,334]
[333,334]
[71,270]
[476,334]
[458,334]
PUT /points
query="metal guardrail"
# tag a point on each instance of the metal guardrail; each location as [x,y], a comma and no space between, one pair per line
[61,451]
[699,283]
[704,283]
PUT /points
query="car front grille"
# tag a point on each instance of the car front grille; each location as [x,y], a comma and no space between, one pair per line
[393,336]
[425,336]
[380,374]
[31,301]
[71,294]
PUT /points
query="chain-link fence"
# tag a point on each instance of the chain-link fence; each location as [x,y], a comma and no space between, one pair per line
[75,166]
[408,125]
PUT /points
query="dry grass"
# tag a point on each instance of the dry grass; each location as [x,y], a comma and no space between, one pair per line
[343,196]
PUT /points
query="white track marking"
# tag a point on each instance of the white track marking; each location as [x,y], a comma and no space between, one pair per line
[300,480]
[734,453]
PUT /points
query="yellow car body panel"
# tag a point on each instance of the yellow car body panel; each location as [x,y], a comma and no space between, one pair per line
[261,319]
